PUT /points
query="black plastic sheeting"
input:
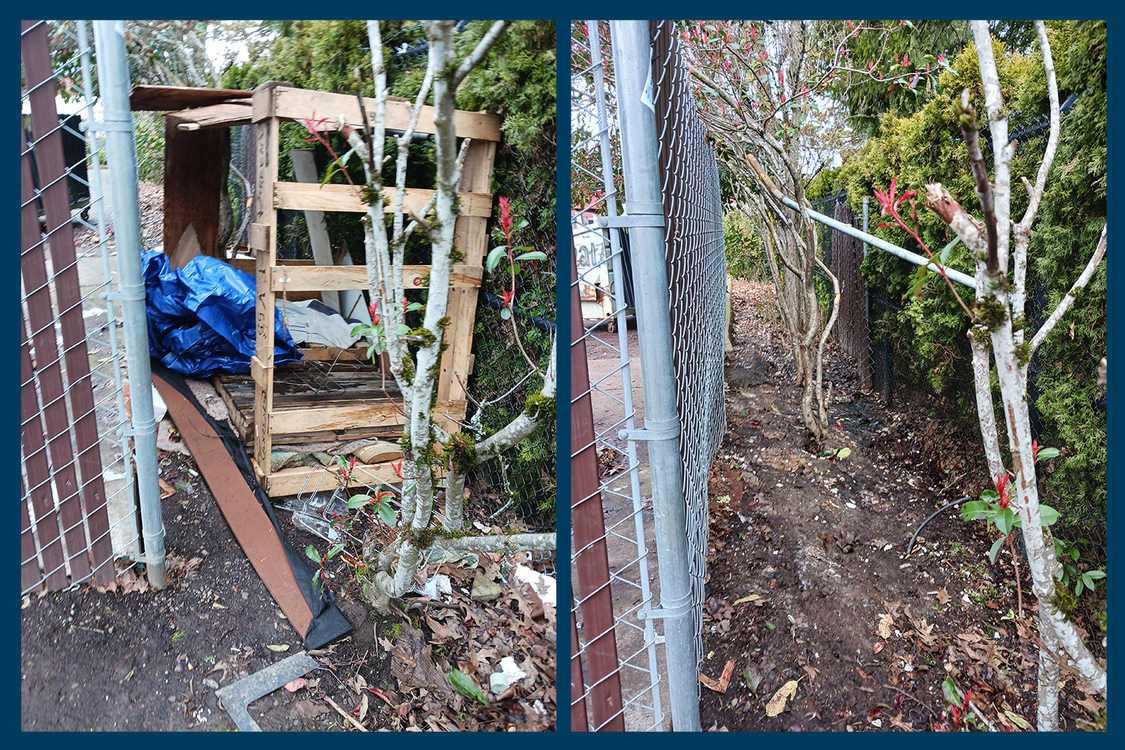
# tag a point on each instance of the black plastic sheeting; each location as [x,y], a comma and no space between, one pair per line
[328,623]
[201,317]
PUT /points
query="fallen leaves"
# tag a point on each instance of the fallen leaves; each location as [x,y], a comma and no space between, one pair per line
[781,698]
[720,685]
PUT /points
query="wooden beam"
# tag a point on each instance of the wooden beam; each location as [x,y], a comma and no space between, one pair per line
[299,196]
[471,238]
[224,115]
[165,98]
[301,104]
[304,479]
[369,413]
[301,420]
[318,278]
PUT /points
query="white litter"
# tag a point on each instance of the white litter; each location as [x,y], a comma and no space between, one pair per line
[544,585]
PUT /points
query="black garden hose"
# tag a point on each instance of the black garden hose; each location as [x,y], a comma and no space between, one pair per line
[932,516]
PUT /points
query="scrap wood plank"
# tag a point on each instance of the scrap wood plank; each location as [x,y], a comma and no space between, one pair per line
[246,517]
[471,237]
[300,196]
[300,479]
[60,344]
[300,104]
[315,278]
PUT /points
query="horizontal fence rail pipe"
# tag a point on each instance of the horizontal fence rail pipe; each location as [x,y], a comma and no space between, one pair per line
[895,250]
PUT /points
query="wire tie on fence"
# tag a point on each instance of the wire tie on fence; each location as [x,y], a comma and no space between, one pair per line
[668,609]
[666,429]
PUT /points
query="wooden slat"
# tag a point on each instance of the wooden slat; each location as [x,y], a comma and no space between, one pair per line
[195,168]
[300,104]
[84,503]
[30,573]
[577,686]
[302,196]
[471,237]
[225,115]
[591,564]
[318,353]
[164,98]
[263,238]
[309,478]
[287,421]
[240,507]
[34,455]
[316,278]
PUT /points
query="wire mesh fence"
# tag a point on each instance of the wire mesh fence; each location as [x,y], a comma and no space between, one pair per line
[615,669]
[77,506]
[697,278]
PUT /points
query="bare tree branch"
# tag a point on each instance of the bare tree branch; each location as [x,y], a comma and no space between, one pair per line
[474,58]
[1068,301]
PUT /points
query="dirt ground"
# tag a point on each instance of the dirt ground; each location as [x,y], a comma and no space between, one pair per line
[152,661]
[809,580]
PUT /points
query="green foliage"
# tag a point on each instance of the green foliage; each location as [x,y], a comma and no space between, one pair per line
[746,257]
[926,146]
[149,130]
[922,42]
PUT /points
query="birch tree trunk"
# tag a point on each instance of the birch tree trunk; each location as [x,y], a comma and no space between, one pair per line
[414,354]
[999,303]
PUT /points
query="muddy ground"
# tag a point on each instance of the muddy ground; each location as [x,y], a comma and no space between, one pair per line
[809,580]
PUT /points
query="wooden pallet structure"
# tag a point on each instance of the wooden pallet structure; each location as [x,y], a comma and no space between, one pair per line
[357,404]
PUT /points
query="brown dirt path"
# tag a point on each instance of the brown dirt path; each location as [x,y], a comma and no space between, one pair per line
[808,577]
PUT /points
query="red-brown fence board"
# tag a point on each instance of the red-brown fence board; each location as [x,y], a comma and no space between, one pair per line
[71,435]
[591,559]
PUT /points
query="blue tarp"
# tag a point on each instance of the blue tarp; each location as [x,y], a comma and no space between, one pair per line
[201,317]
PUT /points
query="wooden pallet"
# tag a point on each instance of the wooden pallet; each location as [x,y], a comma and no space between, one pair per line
[276,416]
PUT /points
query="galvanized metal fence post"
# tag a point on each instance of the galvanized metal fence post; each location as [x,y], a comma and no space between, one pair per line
[644,209]
[121,157]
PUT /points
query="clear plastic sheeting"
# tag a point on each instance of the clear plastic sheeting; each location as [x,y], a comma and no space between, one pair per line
[201,317]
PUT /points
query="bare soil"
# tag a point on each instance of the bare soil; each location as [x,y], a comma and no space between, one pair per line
[133,659]
[809,580]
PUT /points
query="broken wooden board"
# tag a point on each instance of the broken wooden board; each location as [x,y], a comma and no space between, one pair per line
[248,520]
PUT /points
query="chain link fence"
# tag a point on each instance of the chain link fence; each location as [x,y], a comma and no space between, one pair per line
[619,678]
[616,669]
[697,281]
[77,506]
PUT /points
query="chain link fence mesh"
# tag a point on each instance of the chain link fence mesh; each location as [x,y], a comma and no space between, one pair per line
[697,280]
